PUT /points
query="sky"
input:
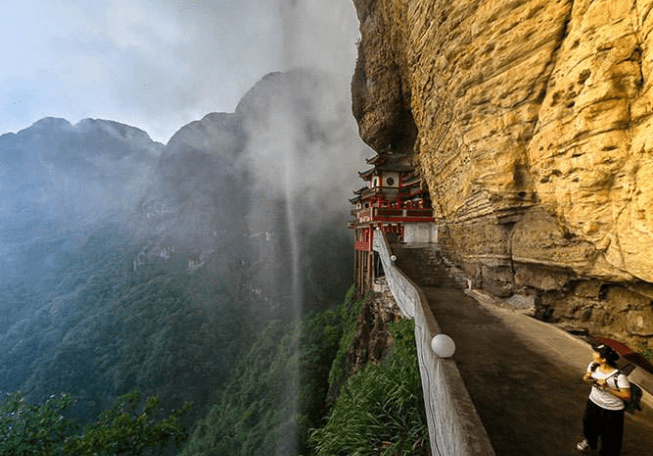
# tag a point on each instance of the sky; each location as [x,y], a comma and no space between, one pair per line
[158,64]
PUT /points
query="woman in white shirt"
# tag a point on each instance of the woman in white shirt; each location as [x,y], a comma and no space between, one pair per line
[604,413]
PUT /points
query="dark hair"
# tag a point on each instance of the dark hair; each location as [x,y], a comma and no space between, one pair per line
[606,352]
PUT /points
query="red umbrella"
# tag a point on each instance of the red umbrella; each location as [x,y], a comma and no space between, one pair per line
[627,353]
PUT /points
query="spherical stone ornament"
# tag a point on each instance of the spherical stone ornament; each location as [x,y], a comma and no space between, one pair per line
[443,345]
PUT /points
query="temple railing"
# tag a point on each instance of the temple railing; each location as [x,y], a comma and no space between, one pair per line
[455,428]
[391,214]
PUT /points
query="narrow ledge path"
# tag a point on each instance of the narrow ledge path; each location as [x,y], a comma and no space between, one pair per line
[523,375]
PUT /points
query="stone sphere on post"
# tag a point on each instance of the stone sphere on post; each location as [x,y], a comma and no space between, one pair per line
[443,345]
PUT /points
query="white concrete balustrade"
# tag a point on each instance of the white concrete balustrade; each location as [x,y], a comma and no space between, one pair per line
[455,428]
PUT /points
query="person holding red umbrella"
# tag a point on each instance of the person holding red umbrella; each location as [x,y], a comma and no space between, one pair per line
[604,412]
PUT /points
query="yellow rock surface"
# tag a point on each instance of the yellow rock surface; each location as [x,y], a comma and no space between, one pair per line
[522,115]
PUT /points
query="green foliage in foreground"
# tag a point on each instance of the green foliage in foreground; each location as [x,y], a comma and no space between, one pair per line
[30,429]
[128,428]
[380,410]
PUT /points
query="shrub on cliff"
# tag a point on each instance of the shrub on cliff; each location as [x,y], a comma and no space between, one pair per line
[380,409]
[348,314]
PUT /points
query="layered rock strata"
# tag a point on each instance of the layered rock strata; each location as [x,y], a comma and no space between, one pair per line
[531,121]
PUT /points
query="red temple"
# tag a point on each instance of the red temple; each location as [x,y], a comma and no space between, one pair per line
[395,201]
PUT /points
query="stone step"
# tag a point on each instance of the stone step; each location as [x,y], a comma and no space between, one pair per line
[424,265]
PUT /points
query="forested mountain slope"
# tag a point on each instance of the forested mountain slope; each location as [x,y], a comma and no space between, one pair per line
[127,263]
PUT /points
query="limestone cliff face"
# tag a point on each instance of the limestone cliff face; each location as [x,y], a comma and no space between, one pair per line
[531,121]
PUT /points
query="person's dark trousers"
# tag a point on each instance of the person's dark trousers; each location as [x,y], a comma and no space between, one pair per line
[606,424]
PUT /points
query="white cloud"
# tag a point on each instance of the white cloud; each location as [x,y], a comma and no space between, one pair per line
[321,34]
[141,24]
[157,64]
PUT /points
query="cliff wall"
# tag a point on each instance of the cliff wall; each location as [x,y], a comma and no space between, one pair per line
[531,121]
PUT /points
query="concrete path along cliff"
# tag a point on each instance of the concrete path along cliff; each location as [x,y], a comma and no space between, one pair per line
[524,377]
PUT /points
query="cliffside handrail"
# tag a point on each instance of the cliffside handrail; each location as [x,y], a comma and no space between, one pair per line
[455,428]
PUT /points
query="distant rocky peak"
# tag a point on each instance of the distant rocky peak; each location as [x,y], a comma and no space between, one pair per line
[51,123]
[217,133]
[117,130]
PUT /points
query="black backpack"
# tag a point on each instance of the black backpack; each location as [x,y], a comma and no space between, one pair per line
[634,404]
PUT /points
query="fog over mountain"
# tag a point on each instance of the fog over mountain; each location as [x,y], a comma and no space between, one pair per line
[59,180]
[129,263]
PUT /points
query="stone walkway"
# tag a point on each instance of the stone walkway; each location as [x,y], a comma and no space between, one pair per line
[523,376]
